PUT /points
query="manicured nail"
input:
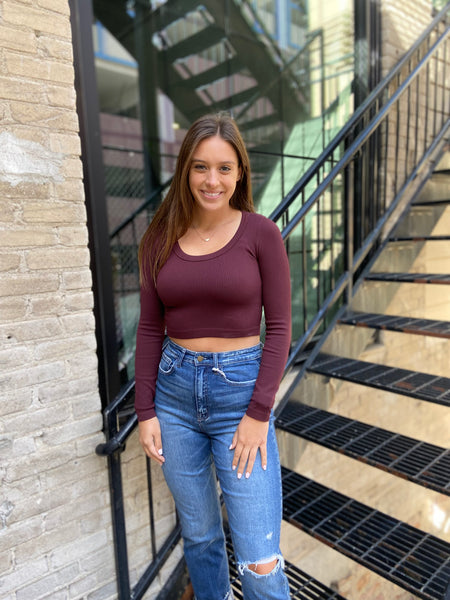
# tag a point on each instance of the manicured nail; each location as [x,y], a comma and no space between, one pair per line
[160,451]
[234,467]
[230,447]
[264,467]
[247,475]
[239,475]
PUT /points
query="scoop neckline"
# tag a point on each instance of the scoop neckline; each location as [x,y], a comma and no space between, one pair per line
[210,255]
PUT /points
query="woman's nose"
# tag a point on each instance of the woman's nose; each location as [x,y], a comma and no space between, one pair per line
[212,177]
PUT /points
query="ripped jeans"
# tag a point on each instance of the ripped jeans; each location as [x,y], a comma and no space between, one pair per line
[200,400]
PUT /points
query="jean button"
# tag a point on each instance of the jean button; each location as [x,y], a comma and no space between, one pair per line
[200,358]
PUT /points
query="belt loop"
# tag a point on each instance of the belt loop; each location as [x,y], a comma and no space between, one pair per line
[216,360]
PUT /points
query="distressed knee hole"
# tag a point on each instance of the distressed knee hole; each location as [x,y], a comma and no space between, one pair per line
[260,568]
[263,568]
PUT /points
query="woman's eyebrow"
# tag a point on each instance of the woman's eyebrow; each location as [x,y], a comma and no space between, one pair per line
[223,162]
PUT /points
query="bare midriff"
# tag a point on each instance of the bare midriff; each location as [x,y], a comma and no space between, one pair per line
[213,344]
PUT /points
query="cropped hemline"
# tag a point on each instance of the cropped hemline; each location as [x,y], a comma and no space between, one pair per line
[220,333]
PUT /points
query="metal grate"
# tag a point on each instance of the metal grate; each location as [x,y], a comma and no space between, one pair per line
[410,277]
[422,386]
[301,585]
[396,323]
[419,238]
[419,462]
[416,561]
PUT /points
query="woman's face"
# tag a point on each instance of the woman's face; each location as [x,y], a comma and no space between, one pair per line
[213,173]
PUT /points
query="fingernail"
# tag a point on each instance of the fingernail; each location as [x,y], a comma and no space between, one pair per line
[264,467]
[234,467]
[230,447]
[247,475]
[160,451]
[239,475]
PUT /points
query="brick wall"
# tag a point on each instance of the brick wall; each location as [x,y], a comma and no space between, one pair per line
[55,517]
[55,533]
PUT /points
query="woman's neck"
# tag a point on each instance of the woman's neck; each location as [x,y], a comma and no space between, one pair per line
[205,221]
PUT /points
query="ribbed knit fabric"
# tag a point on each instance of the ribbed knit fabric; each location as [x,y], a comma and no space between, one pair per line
[220,294]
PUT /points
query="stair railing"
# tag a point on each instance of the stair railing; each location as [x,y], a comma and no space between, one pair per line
[377,157]
[285,68]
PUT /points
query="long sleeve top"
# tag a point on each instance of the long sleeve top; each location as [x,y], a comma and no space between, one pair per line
[221,294]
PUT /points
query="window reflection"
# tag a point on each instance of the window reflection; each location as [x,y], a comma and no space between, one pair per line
[283,68]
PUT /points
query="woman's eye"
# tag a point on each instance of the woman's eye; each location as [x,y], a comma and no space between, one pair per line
[199,167]
[225,169]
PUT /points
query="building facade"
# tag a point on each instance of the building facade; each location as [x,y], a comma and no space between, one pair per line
[56,536]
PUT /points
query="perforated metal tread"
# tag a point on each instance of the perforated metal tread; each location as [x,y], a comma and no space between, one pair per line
[419,238]
[416,561]
[424,464]
[410,277]
[422,386]
[396,323]
[301,585]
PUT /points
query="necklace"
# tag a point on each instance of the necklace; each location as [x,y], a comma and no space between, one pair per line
[213,231]
[200,236]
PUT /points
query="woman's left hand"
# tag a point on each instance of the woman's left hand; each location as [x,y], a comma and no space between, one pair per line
[249,436]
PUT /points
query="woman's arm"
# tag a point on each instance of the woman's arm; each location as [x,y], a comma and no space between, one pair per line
[276,297]
[149,340]
[251,434]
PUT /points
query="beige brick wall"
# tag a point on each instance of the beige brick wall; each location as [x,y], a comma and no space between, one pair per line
[55,531]
[55,517]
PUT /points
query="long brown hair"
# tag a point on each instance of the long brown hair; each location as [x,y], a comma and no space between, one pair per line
[175,214]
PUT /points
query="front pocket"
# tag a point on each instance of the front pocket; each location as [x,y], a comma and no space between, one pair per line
[166,364]
[239,374]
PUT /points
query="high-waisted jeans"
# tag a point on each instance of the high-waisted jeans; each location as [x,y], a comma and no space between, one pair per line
[200,399]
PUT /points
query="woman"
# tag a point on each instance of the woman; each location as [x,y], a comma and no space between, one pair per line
[204,394]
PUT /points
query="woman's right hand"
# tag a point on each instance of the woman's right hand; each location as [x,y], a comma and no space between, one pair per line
[150,439]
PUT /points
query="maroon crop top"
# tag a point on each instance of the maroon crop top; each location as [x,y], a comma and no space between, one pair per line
[220,295]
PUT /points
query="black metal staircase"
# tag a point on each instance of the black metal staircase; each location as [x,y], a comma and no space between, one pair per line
[405,555]
[412,559]
[197,48]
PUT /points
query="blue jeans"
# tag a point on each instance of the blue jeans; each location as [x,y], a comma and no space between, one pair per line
[200,399]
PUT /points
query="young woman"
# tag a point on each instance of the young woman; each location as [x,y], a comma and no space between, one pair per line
[209,265]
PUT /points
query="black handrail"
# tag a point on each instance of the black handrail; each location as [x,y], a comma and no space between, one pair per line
[363,109]
[349,154]
[311,36]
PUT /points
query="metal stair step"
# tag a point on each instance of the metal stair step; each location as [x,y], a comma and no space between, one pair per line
[418,238]
[413,559]
[168,13]
[224,69]
[422,463]
[395,323]
[301,585]
[438,278]
[226,103]
[430,202]
[194,44]
[431,388]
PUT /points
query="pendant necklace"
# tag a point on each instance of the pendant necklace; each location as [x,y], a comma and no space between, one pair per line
[200,236]
[213,231]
